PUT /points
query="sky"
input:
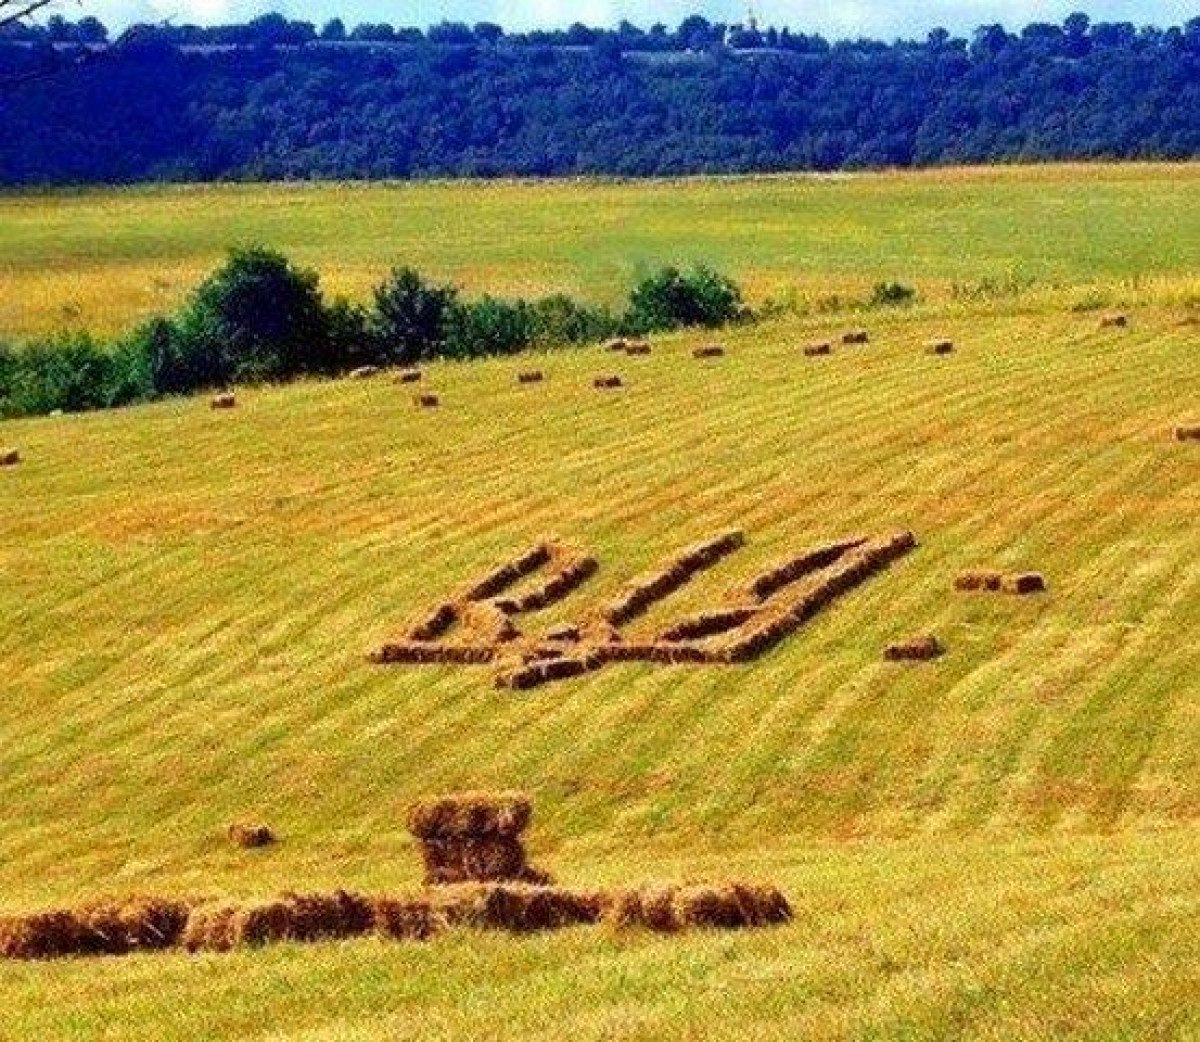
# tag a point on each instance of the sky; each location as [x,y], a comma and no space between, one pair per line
[881,19]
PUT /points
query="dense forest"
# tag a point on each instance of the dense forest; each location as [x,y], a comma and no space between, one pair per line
[280,99]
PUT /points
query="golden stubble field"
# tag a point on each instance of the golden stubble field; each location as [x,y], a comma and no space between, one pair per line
[1001,844]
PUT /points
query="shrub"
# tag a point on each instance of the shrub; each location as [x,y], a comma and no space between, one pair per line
[73,373]
[256,318]
[892,295]
[411,317]
[488,326]
[670,299]
[352,342]
[558,319]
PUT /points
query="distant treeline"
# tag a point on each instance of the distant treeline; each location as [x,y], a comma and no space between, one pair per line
[259,318]
[275,99]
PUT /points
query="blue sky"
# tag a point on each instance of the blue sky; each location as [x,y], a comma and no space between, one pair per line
[834,18]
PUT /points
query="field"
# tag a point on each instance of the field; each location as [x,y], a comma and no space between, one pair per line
[1001,844]
[100,260]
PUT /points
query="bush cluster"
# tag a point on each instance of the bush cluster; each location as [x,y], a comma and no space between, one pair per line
[260,318]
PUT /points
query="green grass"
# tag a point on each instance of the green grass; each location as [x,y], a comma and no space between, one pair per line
[103,259]
[1000,845]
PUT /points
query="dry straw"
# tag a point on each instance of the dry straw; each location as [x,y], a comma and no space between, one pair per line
[723,906]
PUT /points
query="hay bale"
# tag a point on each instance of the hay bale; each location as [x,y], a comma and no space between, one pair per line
[940,347]
[9,457]
[605,383]
[408,376]
[517,908]
[818,350]
[247,836]
[974,580]
[1188,433]
[364,372]
[223,401]
[709,351]
[616,344]
[914,649]
[725,906]
[856,336]
[104,927]
[638,347]
[1024,583]
[405,918]
[470,815]
[427,401]
[530,376]
[1114,321]
[300,918]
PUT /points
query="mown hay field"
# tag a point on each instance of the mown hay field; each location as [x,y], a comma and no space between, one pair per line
[1003,843]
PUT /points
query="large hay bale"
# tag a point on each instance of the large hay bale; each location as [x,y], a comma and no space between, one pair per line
[248,836]
[470,815]
[940,347]
[1024,583]
[477,859]
[607,383]
[40,935]
[708,351]
[915,649]
[1189,432]
[638,347]
[1114,321]
[427,401]
[223,401]
[530,376]
[818,349]
[616,344]
[856,336]
[364,372]
[408,376]
[974,580]
[9,457]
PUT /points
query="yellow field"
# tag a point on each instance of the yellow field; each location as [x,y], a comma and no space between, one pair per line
[1002,844]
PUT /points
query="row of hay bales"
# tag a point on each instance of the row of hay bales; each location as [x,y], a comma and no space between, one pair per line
[992,580]
[476,877]
[736,633]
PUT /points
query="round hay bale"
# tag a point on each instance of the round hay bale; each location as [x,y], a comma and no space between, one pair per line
[616,344]
[976,579]
[1114,321]
[856,336]
[530,376]
[1189,432]
[606,383]
[224,401]
[818,350]
[639,347]
[940,347]
[708,351]
[427,401]
[364,372]
[9,457]
[408,376]
[915,649]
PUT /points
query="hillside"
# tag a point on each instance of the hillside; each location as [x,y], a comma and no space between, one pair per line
[999,844]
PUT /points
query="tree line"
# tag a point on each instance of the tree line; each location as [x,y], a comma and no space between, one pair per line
[260,318]
[283,102]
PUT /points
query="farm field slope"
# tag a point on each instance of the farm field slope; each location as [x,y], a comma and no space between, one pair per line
[1002,844]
